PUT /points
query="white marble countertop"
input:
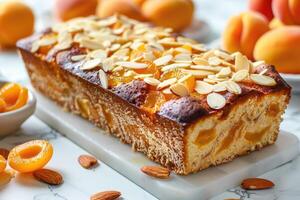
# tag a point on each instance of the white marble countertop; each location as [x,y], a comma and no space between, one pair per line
[80,183]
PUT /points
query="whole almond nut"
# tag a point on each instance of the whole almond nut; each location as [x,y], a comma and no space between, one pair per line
[106,195]
[156,171]
[87,161]
[4,153]
[48,176]
[256,184]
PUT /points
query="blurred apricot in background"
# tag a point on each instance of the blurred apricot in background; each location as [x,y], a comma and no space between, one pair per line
[68,9]
[280,47]
[176,14]
[108,8]
[16,22]
[288,11]
[264,7]
[242,32]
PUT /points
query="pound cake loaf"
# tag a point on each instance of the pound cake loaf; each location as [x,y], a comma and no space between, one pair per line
[182,105]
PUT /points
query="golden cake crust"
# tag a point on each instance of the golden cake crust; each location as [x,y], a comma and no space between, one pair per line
[181,133]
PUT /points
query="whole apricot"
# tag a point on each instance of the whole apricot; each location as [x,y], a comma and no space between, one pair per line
[69,9]
[176,14]
[16,22]
[288,11]
[264,7]
[242,32]
[125,7]
[281,48]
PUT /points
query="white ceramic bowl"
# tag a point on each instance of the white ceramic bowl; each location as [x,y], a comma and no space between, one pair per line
[11,121]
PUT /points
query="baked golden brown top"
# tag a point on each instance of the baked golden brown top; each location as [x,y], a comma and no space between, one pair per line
[151,67]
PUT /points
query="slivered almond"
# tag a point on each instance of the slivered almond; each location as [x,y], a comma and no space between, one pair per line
[156,171]
[183,57]
[202,87]
[78,57]
[106,195]
[167,91]
[149,56]
[240,75]
[35,46]
[185,40]
[207,68]
[179,89]
[152,81]
[174,66]
[101,54]
[48,176]
[115,47]
[215,100]
[103,79]
[233,87]
[87,161]
[256,184]
[200,61]
[220,87]
[47,41]
[143,76]
[166,83]
[122,52]
[132,65]
[163,60]
[4,153]
[223,55]
[263,72]
[257,63]
[262,80]
[214,61]
[241,62]
[91,44]
[224,72]
[91,64]
[198,47]
[198,73]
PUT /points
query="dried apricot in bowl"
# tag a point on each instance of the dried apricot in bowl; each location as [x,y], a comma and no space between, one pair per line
[10,92]
[2,105]
[30,156]
[12,97]
[21,101]
[2,163]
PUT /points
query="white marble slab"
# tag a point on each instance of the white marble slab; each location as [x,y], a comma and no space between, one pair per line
[202,185]
[79,183]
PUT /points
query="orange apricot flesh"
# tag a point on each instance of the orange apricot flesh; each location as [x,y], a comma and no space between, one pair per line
[2,163]
[30,156]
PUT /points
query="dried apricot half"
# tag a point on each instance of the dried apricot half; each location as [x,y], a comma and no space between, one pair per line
[21,101]
[2,163]
[2,105]
[30,156]
[10,92]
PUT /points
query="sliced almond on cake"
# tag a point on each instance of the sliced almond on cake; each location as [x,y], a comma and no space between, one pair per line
[203,88]
[262,80]
[215,100]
